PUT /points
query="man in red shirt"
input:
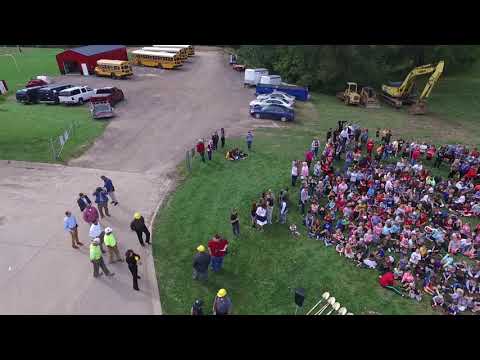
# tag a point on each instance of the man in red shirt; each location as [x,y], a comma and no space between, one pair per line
[217,247]
[201,149]
[387,281]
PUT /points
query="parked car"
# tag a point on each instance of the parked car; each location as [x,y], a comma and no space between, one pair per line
[36,82]
[76,95]
[273,112]
[300,93]
[112,94]
[277,95]
[272,101]
[49,94]
[28,95]
[100,108]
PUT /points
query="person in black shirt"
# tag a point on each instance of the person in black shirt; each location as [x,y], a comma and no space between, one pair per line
[197,308]
[138,225]
[235,221]
[329,134]
[222,136]
[132,260]
[215,141]
[83,201]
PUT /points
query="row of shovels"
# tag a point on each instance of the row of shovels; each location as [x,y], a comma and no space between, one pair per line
[328,305]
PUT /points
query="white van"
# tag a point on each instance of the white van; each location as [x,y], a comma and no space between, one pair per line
[252,76]
[271,80]
[75,95]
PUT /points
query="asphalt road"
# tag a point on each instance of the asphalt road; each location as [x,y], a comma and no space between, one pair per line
[165,112]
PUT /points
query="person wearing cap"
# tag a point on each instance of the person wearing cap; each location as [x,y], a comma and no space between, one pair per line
[108,184]
[197,308]
[222,305]
[133,261]
[97,259]
[96,231]
[201,149]
[70,225]
[201,261]
[111,243]
[138,225]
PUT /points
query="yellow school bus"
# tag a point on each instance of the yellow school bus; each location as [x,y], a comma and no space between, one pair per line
[182,53]
[190,48]
[156,59]
[113,68]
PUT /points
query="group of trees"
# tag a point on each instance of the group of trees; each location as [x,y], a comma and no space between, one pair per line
[326,68]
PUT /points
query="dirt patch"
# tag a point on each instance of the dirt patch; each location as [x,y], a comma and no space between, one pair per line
[433,127]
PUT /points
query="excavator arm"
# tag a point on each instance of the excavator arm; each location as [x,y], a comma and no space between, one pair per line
[432,81]
[405,87]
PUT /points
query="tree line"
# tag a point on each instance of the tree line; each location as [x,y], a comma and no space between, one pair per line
[326,68]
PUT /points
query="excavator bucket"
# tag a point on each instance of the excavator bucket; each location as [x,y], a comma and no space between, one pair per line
[419,108]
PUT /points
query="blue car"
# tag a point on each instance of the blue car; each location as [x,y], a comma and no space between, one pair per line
[273,112]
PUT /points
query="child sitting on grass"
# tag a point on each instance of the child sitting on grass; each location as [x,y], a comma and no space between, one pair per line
[293,230]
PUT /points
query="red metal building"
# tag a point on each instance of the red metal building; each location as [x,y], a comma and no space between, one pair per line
[85,58]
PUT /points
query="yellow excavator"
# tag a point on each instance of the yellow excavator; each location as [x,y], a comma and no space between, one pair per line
[398,94]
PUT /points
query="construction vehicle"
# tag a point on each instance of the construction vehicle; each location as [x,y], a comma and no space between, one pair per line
[401,93]
[368,98]
[350,95]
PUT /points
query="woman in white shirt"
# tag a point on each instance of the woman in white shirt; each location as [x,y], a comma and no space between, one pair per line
[294,173]
[261,216]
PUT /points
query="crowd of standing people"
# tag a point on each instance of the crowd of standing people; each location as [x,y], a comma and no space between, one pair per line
[103,240]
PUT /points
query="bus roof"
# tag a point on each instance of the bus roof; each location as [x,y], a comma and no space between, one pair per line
[162,49]
[111,62]
[173,46]
[153,53]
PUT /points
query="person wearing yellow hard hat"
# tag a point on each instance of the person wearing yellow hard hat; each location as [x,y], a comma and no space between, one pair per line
[138,225]
[222,305]
[133,260]
[201,261]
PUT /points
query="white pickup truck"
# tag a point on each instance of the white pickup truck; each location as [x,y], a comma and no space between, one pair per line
[76,95]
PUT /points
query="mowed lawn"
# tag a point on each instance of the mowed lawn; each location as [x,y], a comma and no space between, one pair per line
[25,130]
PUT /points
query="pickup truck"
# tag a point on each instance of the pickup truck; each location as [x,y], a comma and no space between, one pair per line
[111,94]
[100,108]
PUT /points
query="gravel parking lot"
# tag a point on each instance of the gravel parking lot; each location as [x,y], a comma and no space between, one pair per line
[165,112]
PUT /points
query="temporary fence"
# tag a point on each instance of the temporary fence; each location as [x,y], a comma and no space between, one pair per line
[57,143]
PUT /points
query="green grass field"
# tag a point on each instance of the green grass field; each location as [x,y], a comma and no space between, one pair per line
[25,129]
[263,269]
